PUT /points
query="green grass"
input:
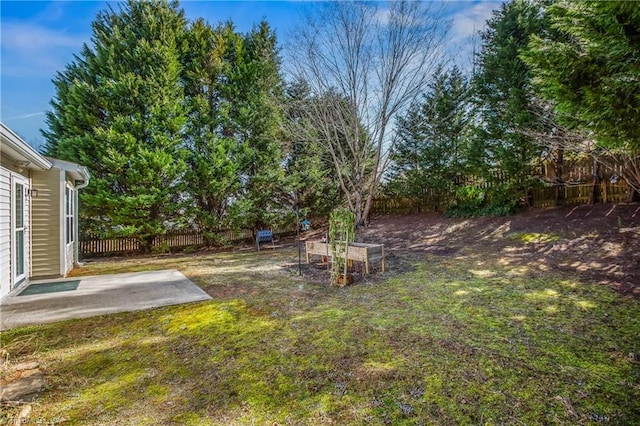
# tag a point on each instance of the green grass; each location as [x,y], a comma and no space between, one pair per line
[453,342]
[534,237]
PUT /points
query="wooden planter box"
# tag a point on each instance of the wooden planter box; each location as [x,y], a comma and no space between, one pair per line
[318,248]
[366,253]
[359,252]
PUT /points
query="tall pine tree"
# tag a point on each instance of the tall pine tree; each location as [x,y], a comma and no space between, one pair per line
[253,117]
[588,66]
[119,110]
[234,99]
[431,148]
[308,164]
[505,97]
[212,176]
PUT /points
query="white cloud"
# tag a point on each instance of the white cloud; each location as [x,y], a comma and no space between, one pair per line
[466,24]
[469,21]
[36,38]
[382,16]
[31,49]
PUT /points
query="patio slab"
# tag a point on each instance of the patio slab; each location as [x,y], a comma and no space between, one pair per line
[99,295]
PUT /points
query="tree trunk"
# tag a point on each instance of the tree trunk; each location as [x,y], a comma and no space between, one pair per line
[368,203]
[373,183]
[593,194]
[631,174]
[147,244]
[558,171]
[359,211]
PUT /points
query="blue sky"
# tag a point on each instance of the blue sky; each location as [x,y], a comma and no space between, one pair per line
[38,38]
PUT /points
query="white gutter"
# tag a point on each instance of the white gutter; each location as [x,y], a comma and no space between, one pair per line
[87,177]
[83,170]
[76,171]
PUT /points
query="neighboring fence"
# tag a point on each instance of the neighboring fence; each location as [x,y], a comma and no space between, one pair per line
[96,245]
[579,194]
[408,205]
[606,192]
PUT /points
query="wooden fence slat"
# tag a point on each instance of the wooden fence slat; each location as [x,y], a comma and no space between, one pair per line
[541,197]
[96,245]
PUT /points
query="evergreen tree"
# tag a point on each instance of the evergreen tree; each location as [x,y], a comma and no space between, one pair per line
[589,66]
[212,176]
[234,97]
[505,97]
[254,119]
[431,148]
[119,110]
[308,166]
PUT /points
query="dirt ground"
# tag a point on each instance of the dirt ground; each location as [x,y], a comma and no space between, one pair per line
[599,243]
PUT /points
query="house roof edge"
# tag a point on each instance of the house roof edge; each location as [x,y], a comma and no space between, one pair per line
[18,146]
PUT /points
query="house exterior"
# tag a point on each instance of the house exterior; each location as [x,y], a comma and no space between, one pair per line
[38,213]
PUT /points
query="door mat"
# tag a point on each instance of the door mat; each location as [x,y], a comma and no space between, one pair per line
[53,287]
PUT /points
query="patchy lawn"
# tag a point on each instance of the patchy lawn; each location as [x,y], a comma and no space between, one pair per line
[440,339]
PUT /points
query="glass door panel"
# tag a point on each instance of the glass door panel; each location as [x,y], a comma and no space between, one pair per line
[19,248]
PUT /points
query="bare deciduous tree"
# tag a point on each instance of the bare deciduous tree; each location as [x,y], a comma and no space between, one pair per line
[365,64]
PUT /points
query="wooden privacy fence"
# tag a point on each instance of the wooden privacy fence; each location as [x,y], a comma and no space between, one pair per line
[93,245]
[96,245]
[408,205]
[606,192]
[579,194]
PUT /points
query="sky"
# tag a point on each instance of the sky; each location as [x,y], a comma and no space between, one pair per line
[38,39]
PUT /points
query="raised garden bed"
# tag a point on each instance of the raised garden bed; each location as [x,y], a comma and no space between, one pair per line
[359,252]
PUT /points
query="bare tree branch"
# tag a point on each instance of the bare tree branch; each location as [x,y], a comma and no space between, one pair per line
[365,65]
[553,135]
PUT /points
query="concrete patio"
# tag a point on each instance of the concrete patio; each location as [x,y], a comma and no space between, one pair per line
[99,295]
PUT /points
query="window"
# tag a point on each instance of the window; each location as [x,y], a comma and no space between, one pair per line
[69,214]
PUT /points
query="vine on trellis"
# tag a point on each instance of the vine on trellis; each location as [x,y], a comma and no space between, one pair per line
[342,231]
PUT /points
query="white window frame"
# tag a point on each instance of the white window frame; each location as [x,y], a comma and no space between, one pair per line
[69,215]
[18,278]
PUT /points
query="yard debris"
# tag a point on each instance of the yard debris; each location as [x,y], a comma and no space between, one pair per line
[24,380]
[25,366]
[567,405]
[405,409]
[25,389]
[341,389]
[22,416]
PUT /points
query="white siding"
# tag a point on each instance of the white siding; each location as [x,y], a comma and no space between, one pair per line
[47,229]
[5,231]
